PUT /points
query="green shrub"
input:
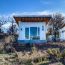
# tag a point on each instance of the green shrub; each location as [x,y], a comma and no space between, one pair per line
[49,51]
[54,53]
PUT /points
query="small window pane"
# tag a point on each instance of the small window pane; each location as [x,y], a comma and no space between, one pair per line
[27,33]
[42,27]
[33,31]
[38,31]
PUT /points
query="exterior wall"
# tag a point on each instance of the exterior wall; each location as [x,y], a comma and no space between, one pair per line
[23,25]
[62,34]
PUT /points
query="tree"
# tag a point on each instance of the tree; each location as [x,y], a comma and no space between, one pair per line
[12,29]
[1,23]
[0,27]
[57,22]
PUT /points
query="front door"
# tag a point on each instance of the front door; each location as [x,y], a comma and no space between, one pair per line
[32,33]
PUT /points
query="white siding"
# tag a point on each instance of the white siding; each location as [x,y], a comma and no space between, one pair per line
[23,25]
[62,33]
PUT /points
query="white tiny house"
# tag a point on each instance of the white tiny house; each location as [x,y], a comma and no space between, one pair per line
[32,29]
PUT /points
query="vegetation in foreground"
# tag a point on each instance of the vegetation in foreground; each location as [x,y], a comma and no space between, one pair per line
[35,56]
[47,54]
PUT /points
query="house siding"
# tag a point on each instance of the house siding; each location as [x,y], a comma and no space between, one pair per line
[23,25]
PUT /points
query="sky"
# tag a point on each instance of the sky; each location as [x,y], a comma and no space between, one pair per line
[30,7]
[12,7]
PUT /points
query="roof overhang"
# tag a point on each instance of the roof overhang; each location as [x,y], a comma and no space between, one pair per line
[32,18]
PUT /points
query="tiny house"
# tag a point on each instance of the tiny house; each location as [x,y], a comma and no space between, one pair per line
[32,28]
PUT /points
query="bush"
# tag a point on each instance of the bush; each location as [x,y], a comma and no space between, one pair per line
[26,62]
[54,51]
[54,54]
[63,53]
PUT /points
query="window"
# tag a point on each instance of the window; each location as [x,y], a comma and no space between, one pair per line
[38,31]
[21,28]
[27,33]
[34,33]
[63,31]
[42,27]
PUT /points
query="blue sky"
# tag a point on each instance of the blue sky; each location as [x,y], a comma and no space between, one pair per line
[20,6]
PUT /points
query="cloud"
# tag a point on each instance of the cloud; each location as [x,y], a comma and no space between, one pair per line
[46,12]
[32,13]
[37,13]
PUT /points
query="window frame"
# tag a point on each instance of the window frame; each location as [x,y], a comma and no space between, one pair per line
[29,34]
[26,34]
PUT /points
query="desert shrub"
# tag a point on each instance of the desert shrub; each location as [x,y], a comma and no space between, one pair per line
[60,64]
[2,48]
[63,57]
[54,54]
[34,48]
[26,62]
[49,51]
[46,59]
[36,60]
[63,53]
[44,64]
[2,51]
[54,51]
[7,48]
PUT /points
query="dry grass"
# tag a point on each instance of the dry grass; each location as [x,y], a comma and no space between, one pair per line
[5,59]
[58,63]
[58,43]
[13,58]
[33,55]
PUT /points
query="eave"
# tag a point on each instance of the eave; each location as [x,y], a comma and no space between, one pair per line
[32,18]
